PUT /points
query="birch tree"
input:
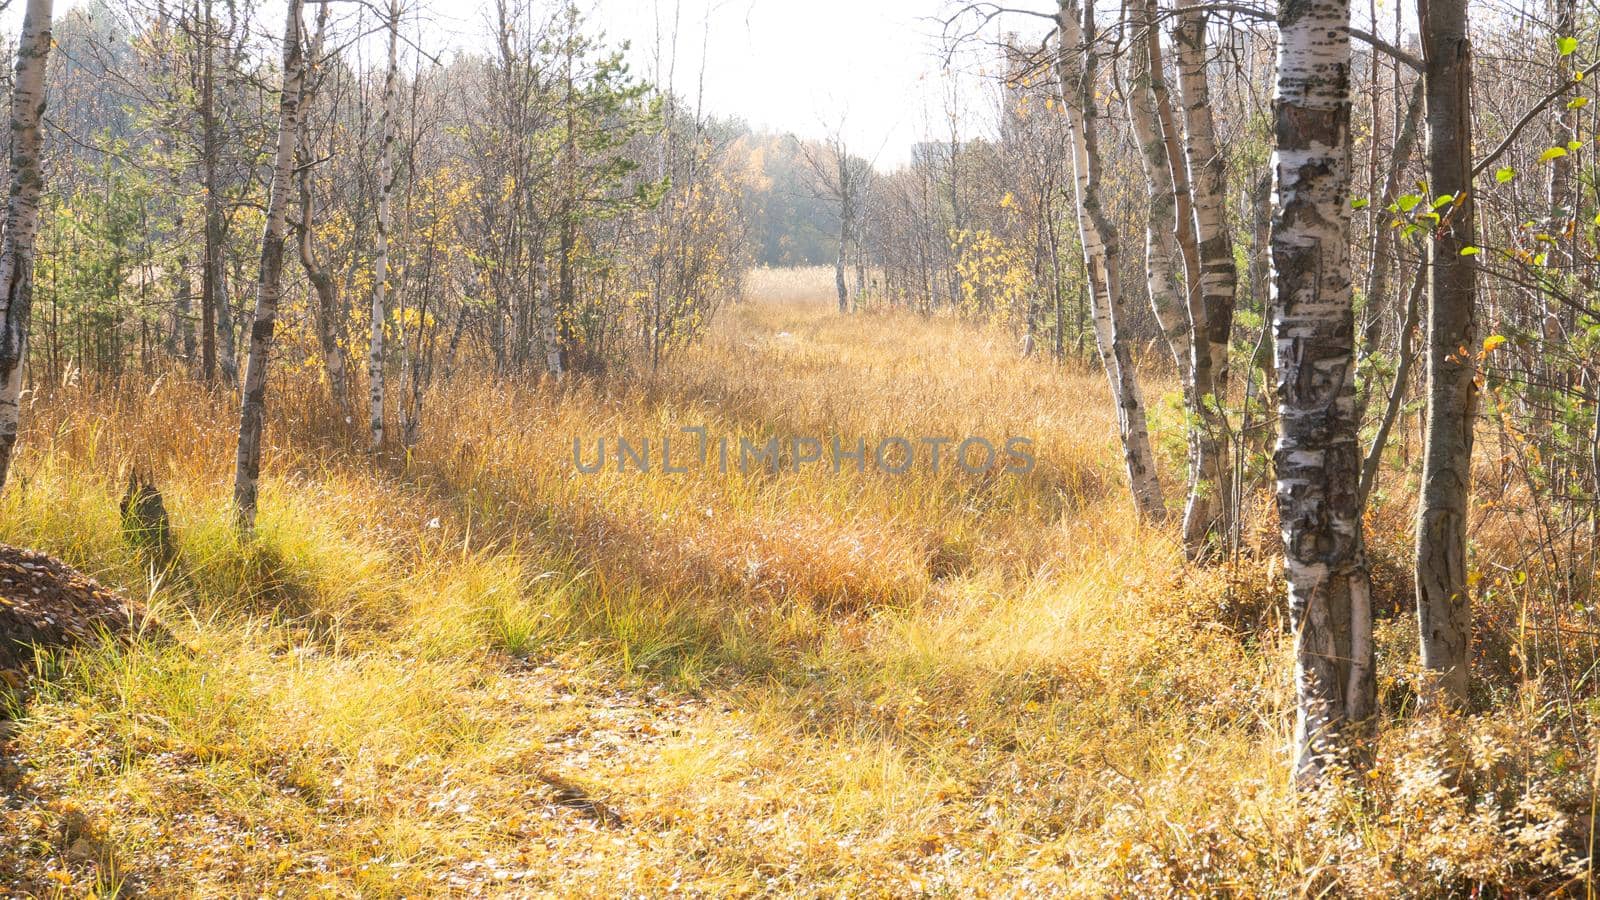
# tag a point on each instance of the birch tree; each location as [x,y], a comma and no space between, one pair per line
[1206,514]
[1167,291]
[510,145]
[328,314]
[1078,62]
[206,36]
[380,263]
[253,408]
[211,261]
[841,178]
[1319,453]
[21,218]
[1196,316]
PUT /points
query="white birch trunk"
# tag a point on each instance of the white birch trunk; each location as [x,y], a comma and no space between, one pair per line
[1318,455]
[252,410]
[327,315]
[546,313]
[1161,223]
[21,219]
[227,343]
[1206,519]
[1077,65]
[380,265]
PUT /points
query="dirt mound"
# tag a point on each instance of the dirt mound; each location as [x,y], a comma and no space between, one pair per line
[46,603]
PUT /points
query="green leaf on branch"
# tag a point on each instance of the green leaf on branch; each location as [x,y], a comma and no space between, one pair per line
[1552,153]
[1504,174]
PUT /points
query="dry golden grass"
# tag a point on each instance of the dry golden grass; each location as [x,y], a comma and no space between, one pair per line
[473,670]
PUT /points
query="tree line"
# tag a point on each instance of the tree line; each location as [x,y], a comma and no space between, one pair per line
[228,194]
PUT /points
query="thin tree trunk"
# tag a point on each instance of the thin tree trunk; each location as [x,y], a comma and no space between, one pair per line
[1079,59]
[413,356]
[563,316]
[211,266]
[227,344]
[547,327]
[252,411]
[182,308]
[1030,339]
[1560,224]
[1397,391]
[1167,297]
[1319,452]
[1444,609]
[1178,164]
[560,318]
[844,237]
[1565,129]
[1259,440]
[380,264]
[861,254]
[1206,518]
[21,218]
[1383,242]
[455,341]
[327,315]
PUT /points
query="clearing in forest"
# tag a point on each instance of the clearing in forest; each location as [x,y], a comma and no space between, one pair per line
[481,669]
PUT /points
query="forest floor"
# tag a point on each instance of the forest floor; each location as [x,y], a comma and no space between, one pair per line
[472,670]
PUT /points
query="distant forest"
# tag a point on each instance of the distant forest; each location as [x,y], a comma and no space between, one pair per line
[791,223]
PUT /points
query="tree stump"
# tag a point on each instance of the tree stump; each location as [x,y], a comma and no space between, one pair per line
[145,525]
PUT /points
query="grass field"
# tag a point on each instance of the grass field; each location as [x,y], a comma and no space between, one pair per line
[474,670]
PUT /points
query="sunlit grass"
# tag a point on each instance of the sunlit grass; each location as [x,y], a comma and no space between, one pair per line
[472,666]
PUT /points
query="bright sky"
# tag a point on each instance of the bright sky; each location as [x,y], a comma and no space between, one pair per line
[870,67]
[802,66]
[873,68]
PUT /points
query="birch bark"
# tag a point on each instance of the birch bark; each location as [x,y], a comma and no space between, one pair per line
[328,314]
[1319,454]
[1206,515]
[21,218]
[1077,66]
[380,264]
[1167,293]
[252,410]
